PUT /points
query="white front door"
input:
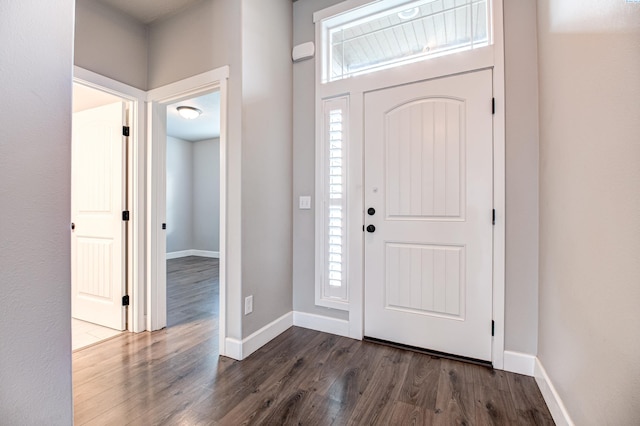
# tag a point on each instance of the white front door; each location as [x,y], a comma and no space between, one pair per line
[97,200]
[428,176]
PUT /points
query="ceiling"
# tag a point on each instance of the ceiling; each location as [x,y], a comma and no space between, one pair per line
[206,126]
[86,98]
[147,11]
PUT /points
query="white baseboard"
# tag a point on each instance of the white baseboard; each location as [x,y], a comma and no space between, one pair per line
[200,253]
[554,402]
[518,362]
[239,350]
[321,323]
[232,349]
[178,254]
[205,253]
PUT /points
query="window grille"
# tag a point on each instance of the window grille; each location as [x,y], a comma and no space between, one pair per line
[357,42]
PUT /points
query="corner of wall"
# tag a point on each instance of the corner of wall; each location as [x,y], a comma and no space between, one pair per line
[241,349]
[520,363]
[551,397]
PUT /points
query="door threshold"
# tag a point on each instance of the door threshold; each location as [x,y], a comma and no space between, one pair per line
[430,352]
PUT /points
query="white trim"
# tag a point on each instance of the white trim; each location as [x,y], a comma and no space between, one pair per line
[321,323]
[106,84]
[518,362]
[192,252]
[156,254]
[136,313]
[477,59]
[225,262]
[205,253]
[189,86]
[240,350]
[348,5]
[355,234]
[178,254]
[233,348]
[156,215]
[499,183]
[554,402]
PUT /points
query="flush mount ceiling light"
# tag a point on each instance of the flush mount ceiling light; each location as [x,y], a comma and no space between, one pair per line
[188,112]
[409,13]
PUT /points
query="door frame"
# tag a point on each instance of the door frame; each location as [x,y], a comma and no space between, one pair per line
[157,100]
[490,57]
[136,187]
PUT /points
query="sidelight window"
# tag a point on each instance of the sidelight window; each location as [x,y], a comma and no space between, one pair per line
[332,208]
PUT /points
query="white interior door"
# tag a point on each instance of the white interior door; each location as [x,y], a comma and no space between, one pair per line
[98,197]
[428,175]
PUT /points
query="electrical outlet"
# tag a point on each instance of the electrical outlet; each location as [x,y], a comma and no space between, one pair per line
[248,305]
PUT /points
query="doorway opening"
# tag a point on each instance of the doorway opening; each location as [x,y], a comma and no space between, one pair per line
[158,100]
[193,210]
[100,235]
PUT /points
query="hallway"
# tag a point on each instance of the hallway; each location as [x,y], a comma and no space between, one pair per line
[175,376]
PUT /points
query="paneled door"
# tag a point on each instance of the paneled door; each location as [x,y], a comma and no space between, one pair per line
[428,213]
[97,200]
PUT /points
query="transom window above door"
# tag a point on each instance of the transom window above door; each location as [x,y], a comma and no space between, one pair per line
[390,33]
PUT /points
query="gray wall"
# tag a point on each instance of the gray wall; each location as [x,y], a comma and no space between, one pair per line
[149,56]
[266,160]
[193,195]
[254,38]
[521,90]
[304,163]
[206,195]
[180,46]
[191,42]
[180,197]
[521,168]
[35,194]
[110,43]
[590,207]
[217,43]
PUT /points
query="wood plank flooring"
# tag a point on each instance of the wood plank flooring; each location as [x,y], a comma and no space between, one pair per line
[303,377]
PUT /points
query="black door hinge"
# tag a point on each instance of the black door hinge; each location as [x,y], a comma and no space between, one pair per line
[164,226]
[493,105]
[125,130]
[493,328]
[493,217]
[125,215]
[125,300]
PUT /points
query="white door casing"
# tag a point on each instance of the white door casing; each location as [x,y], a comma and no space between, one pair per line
[98,197]
[429,176]
[157,101]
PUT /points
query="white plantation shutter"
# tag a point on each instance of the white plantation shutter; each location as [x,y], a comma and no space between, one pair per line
[331,285]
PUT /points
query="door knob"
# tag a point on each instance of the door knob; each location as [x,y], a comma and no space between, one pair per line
[371,228]
[73,226]
[371,211]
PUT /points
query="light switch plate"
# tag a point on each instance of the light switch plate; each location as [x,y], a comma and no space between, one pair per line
[305,202]
[248,305]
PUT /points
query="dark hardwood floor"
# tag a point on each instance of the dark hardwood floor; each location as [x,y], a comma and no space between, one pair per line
[303,377]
